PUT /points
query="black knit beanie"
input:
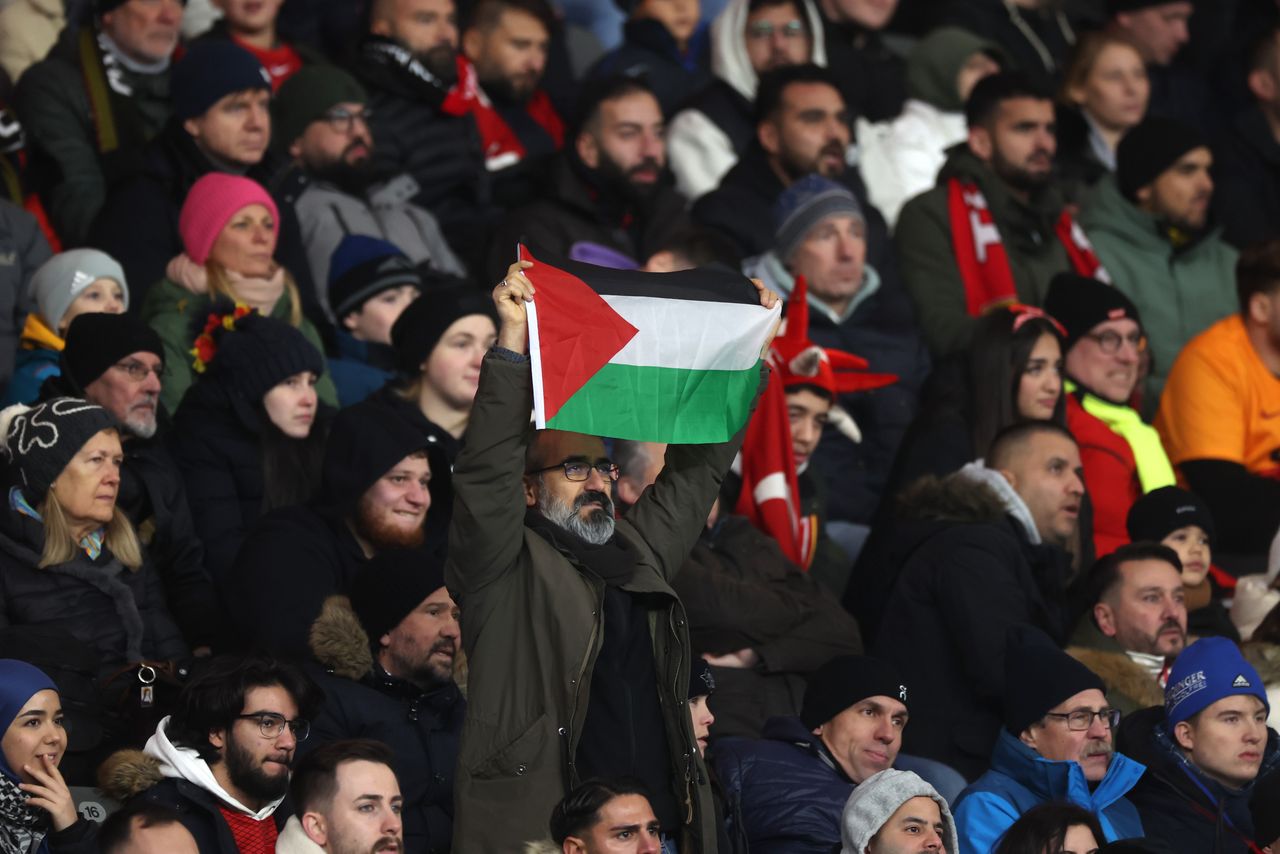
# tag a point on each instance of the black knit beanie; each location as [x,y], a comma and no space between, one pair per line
[1114,7]
[1080,303]
[1150,148]
[1162,511]
[95,342]
[262,352]
[844,681]
[702,683]
[390,585]
[1038,675]
[210,70]
[365,441]
[40,440]
[417,331]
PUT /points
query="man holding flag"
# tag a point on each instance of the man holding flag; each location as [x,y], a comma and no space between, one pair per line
[577,645]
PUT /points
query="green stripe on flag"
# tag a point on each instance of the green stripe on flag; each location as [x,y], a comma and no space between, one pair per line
[661,404]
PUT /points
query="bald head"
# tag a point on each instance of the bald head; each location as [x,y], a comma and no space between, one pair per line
[427,28]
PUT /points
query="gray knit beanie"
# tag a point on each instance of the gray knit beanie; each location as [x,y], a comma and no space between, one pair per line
[58,281]
[875,801]
[803,205]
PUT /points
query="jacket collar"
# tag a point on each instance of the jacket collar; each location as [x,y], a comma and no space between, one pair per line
[978,472]
[789,729]
[1056,780]
[184,763]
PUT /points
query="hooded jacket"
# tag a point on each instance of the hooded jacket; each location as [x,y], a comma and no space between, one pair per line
[1179,293]
[708,136]
[1037,41]
[422,728]
[1020,779]
[784,793]
[535,625]
[178,778]
[900,157]
[924,240]
[1179,806]
[974,564]
[38,359]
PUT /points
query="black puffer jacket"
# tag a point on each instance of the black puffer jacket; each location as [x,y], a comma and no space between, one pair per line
[1179,806]
[784,793]
[217,442]
[119,612]
[412,134]
[154,498]
[969,571]
[422,728]
[572,211]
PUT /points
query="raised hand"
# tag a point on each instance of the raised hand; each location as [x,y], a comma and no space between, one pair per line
[509,298]
[50,793]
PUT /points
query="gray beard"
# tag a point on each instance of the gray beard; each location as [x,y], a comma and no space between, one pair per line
[596,529]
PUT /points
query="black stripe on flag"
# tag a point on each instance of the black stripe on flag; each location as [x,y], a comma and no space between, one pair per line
[704,284]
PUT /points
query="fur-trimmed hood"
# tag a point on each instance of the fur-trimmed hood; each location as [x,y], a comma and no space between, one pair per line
[544,846]
[1121,675]
[127,773]
[973,494]
[339,642]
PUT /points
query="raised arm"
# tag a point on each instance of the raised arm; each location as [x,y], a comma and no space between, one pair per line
[488,494]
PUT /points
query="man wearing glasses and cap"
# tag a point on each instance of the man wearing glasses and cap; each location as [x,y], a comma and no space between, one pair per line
[1104,351]
[223,758]
[1057,745]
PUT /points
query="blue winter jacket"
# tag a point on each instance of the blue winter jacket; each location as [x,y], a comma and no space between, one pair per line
[1020,779]
[784,792]
[356,369]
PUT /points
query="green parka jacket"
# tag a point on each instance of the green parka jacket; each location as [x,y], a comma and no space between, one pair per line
[928,261]
[532,627]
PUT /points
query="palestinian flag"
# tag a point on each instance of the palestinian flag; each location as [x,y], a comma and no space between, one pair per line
[656,357]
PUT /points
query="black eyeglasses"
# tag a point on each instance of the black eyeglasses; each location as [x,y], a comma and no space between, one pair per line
[578,471]
[1081,719]
[271,725]
[138,371]
[343,121]
[1109,342]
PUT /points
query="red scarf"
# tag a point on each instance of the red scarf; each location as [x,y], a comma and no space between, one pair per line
[502,148]
[281,61]
[981,256]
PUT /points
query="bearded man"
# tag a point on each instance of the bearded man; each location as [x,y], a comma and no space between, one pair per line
[380,478]
[384,657]
[577,646]
[222,760]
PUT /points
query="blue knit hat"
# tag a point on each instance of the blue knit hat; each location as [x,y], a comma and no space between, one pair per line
[362,267]
[806,203]
[19,682]
[1207,671]
[209,71]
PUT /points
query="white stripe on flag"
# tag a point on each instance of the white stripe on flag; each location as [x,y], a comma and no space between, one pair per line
[692,334]
[535,355]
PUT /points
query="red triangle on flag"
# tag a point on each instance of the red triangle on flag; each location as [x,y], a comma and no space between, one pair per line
[578,332]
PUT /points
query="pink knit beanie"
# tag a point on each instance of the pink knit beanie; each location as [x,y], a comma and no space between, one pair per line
[211,203]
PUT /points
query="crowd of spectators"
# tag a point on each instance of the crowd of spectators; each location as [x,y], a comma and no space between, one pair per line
[284,567]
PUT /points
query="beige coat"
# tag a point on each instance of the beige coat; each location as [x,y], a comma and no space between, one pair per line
[28,29]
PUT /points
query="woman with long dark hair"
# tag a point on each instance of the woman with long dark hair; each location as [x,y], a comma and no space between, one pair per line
[1013,373]
[1053,828]
[249,435]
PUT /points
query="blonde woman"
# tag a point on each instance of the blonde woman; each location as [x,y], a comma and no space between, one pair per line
[229,227]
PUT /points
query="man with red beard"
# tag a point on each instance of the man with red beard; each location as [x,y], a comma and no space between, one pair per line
[384,659]
[335,186]
[609,199]
[379,478]
[1058,744]
[224,756]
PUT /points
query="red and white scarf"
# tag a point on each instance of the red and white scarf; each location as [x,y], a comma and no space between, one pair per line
[981,256]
